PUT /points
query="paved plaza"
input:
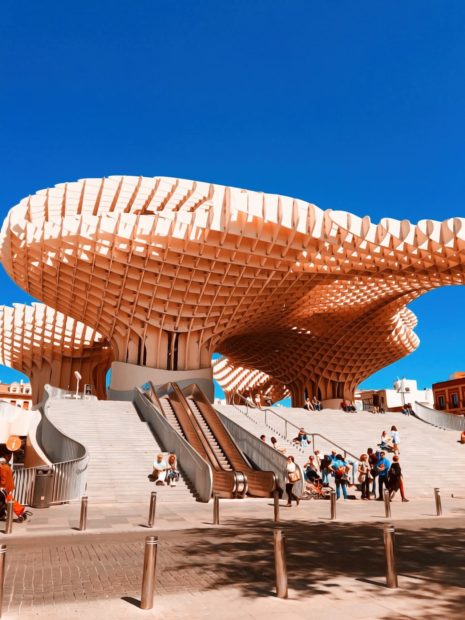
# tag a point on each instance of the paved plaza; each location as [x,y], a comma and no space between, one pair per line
[227,571]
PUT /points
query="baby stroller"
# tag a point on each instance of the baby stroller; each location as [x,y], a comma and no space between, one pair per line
[314,489]
[21,513]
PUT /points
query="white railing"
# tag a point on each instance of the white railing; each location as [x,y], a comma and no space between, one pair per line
[69,481]
[68,458]
[447,421]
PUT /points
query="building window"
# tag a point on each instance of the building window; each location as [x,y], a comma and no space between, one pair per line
[455,401]
[441,402]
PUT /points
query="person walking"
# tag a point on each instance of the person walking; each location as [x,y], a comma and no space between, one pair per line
[395,480]
[292,476]
[364,476]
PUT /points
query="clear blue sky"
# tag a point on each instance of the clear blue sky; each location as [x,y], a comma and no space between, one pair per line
[351,105]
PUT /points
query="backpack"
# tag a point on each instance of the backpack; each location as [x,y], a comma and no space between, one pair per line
[340,472]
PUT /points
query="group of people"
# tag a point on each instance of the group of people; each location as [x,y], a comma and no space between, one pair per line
[374,472]
[376,409]
[390,442]
[407,409]
[165,471]
[348,406]
[312,404]
[375,465]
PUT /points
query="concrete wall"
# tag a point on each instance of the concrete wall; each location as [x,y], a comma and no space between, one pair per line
[125,377]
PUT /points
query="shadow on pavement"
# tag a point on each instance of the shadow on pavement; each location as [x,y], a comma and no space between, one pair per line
[240,554]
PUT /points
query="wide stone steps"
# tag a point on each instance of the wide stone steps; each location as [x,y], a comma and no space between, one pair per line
[121,449]
[429,457]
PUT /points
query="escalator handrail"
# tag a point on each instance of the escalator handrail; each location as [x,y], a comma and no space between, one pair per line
[215,425]
[195,467]
[243,464]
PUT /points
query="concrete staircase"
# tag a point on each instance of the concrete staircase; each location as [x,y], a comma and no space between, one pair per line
[121,448]
[429,457]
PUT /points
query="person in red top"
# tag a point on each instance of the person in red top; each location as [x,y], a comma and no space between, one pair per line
[6,477]
[7,485]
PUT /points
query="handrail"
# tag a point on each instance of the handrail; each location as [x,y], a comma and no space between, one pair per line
[196,469]
[226,482]
[68,460]
[287,423]
[441,419]
[264,456]
[260,483]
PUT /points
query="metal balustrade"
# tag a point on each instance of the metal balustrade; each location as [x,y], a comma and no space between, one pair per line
[441,419]
[280,425]
[67,458]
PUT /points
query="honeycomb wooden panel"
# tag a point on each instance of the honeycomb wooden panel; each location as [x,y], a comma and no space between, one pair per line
[170,271]
[238,382]
[49,347]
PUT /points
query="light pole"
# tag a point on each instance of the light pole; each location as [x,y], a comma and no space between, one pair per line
[78,378]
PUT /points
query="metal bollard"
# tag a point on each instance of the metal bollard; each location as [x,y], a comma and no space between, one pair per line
[2,574]
[9,517]
[391,574]
[83,517]
[332,498]
[152,508]
[276,506]
[216,509]
[280,563]
[387,504]
[437,499]
[148,575]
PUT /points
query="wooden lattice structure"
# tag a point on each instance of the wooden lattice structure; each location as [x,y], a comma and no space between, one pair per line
[238,383]
[49,347]
[170,271]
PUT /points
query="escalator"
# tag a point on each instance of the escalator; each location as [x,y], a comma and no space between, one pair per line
[171,403]
[190,413]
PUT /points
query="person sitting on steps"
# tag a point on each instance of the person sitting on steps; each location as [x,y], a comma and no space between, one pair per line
[172,474]
[159,470]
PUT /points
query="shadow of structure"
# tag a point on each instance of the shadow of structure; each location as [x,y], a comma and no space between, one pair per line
[240,554]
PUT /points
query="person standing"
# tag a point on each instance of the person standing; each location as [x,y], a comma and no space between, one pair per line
[373,458]
[383,470]
[364,476]
[340,468]
[292,476]
[395,439]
